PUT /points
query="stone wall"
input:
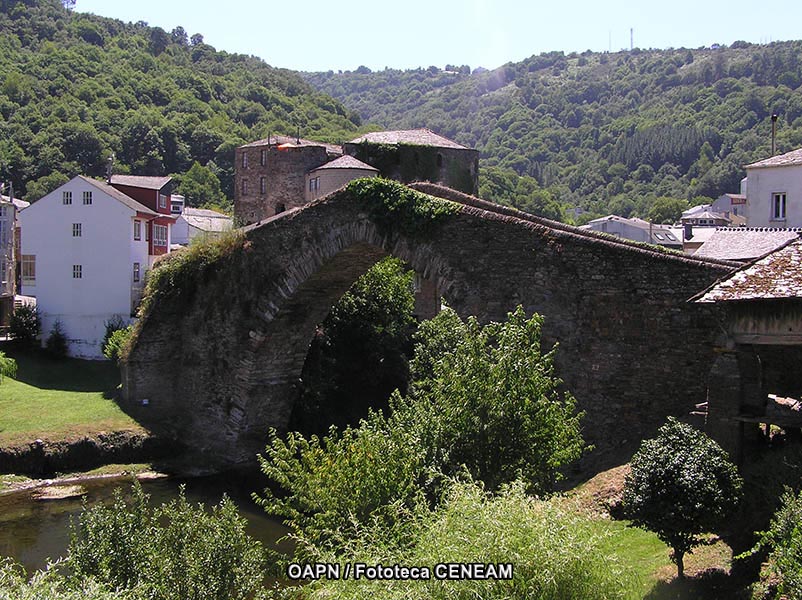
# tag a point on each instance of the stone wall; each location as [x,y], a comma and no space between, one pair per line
[222,365]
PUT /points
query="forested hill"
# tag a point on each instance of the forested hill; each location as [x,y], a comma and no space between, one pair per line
[604,132]
[76,87]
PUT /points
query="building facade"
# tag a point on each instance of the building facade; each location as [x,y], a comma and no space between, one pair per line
[774,191]
[85,249]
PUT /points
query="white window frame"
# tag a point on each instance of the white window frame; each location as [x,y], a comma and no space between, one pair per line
[28,269]
[244,160]
[779,206]
[159,235]
[66,197]
[244,187]
[77,271]
[76,230]
[87,198]
[262,185]
[162,201]
[137,230]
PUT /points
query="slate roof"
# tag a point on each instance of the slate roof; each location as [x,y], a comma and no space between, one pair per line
[141,181]
[119,196]
[745,243]
[415,137]
[207,220]
[794,157]
[775,276]
[346,162]
[278,140]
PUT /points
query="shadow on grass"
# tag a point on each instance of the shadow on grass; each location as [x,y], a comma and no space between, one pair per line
[713,584]
[35,368]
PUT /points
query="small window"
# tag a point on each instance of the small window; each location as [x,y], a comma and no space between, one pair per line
[244,187]
[136,272]
[76,230]
[244,160]
[262,185]
[137,230]
[77,271]
[147,232]
[778,206]
[263,157]
[87,197]
[162,201]
[66,197]
[29,269]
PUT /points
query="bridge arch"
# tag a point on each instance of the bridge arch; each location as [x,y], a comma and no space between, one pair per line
[219,358]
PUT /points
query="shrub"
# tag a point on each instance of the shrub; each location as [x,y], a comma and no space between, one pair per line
[681,485]
[25,326]
[115,345]
[50,585]
[172,552]
[56,343]
[113,324]
[8,366]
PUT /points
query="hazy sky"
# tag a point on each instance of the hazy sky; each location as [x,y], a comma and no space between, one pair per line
[316,35]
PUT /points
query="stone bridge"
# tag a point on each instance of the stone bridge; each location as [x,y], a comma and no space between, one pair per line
[219,355]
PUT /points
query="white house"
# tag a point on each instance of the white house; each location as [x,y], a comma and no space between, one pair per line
[774,191]
[195,222]
[85,249]
[636,230]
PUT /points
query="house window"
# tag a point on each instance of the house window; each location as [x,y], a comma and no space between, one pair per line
[160,235]
[137,230]
[262,185]
[136,272]
[244,160]
[87,197]
[66,197]
[28,269]
[778,206]
[147,233]
[3,272]
[263,157]
[77,271]
[314,184]
[244,187]
[162,201]
[76,230]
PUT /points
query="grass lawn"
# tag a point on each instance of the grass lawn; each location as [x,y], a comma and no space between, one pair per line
[59,399]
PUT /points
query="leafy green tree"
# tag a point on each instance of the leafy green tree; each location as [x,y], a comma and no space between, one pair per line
[44,185]
[201,187]
[116,342]
[682,484]
[25,326]
[667,210]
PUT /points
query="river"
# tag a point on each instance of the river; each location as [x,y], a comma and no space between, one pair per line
[34,531]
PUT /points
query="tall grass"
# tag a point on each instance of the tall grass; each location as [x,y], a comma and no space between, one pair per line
[555,552]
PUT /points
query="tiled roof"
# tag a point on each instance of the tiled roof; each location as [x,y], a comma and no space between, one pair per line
[742,243]
[775,276]
[415,137]
[278,140]
[346,162]
[794,157]
[118,195]
[141,181]
[207,220]
[706,214]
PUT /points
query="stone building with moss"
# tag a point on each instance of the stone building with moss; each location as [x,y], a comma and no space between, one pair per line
[279,172]
[419,155]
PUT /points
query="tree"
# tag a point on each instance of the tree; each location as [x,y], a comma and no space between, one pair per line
[25,326]
[667,210]
[201,187]
[681,485]
[8,366]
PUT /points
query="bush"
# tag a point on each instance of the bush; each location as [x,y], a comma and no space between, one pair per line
[681,485]
[784,540]
[555,553]
[488,405]
[114,346]
[113,324]
[25,326]
[8,366]
[56,343]
[173,552]
[50,585]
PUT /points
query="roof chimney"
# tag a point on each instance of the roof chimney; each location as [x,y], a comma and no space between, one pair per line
[773,133]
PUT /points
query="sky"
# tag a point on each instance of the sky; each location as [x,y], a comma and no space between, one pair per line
[317,35]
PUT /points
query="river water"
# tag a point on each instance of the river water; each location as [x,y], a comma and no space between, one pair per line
[33,531]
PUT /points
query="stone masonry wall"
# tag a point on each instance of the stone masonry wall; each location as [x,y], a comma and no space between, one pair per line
[223,365]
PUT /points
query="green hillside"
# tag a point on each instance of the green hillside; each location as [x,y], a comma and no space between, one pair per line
[602,132]
[76,87]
